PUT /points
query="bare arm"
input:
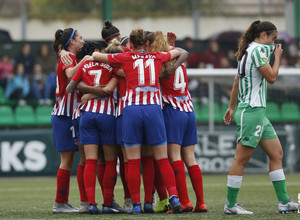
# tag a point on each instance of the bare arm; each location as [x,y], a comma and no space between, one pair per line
[174,53]
[72,70]
[271,73]
[171,68]
[99,91]
[71,86]
[100,57]
[228,117]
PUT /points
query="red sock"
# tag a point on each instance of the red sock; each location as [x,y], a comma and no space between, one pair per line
[90,179]
[80,181]
[196,179]
[109,181]
[123,177]
[134,179]
[100,175]
[126,192]
[180,178]
[167,176]
[63,185]
[148,176]
[159,184]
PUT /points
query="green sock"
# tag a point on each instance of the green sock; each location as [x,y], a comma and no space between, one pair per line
[232,194]
[280,190]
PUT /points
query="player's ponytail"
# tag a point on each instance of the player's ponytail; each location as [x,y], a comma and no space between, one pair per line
[56,43]
[158,42]
[62,39]
[253,32]
[114,47]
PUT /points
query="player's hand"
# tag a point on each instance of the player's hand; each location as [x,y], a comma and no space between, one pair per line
[171,38]
[87,58]
[278,50]
[65,58]
[228,117]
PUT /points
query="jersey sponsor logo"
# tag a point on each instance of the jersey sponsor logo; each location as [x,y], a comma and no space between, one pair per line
[105,98]
[146,89]
[264,59]
[181,98]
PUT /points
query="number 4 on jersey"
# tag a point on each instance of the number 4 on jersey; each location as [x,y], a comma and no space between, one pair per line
[179,82]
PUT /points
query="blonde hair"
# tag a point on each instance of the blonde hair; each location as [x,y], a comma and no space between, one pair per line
[158,43]
[114,47]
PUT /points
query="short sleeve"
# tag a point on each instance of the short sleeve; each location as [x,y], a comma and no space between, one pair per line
[165,56]
[260,57]
[74,63]
[116,59]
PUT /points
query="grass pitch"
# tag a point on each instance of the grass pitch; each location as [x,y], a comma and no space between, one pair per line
[32,198]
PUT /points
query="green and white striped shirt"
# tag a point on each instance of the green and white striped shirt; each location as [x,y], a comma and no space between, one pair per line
[252,84]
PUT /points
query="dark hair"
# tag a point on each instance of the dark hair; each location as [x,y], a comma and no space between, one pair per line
[109,31]
[253,32]
[150,36]
[62,39]
[89,47]
[138,37]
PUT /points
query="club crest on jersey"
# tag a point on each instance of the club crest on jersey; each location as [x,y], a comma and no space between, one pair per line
[264,59]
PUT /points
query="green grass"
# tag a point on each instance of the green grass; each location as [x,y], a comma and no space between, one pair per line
[32,198]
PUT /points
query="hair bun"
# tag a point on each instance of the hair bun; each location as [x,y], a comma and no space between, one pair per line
[108,24]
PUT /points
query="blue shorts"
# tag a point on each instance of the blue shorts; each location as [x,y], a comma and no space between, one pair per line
[119,124]
[180,126]
[63,131]
[96,128]
[76,123]
[143,124]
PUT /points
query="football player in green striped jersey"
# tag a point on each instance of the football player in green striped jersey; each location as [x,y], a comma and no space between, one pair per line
[254,128]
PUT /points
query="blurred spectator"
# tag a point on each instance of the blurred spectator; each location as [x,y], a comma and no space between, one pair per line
[45,59]
[37,85]
[17,86]
[195,58]
[224,63]
[6,68]
[284,62]
[189,45]
[232,58]
[297,65]
[26,58]
[42,85]
[213,54]
[292,54]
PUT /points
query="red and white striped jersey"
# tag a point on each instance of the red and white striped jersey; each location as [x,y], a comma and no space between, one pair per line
[94,73]
[142,75]
[175,91]
[65,102]
[121,90]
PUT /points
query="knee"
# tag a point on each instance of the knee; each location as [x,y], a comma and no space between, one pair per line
[277,156]
[67,163]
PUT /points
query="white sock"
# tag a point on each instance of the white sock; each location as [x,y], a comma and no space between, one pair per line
[234,181]
[277,175]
